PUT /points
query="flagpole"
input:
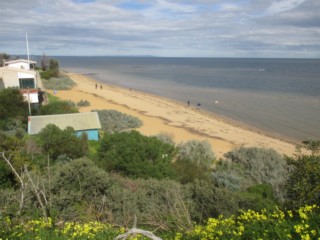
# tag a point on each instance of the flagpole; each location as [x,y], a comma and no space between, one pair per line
[27,46]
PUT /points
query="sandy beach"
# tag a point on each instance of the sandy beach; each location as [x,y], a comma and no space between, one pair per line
[160,115]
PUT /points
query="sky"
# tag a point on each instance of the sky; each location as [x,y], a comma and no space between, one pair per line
[164,28]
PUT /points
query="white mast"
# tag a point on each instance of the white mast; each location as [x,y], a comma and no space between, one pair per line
[27,46]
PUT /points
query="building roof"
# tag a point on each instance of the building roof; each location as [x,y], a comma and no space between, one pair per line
[20,60]
[79,121]
[7,69]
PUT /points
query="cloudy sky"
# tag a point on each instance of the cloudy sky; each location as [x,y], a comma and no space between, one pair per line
[182,28]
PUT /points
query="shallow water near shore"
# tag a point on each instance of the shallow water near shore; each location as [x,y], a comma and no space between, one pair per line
[278,96]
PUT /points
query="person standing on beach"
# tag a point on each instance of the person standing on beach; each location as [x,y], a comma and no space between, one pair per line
[188,103]
[100,86]
[96,86]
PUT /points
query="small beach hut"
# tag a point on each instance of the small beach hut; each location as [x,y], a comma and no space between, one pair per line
[87,122]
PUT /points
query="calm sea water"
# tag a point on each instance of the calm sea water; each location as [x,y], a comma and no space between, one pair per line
[280,96]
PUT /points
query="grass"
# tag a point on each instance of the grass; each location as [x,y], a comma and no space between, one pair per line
[52,98]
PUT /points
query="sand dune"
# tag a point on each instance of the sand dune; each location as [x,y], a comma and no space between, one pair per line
[160,115]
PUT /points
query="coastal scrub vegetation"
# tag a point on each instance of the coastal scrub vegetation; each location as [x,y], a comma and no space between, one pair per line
[63,82]
[114,121]
[13,110]
[58,186]
[51,76]
[50,70]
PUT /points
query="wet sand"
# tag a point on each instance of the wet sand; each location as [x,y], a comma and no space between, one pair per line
[160,115]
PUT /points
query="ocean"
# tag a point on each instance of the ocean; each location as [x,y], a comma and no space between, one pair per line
[280,97]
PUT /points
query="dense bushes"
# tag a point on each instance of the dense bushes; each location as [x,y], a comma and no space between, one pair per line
[194,161]
[52,71]
[13,109]
[168,188]
[245,167]
[277,224]
[58,107]
[134,155]
[57,142]
[303,185]
[114,121]
[77,187]
[58,83]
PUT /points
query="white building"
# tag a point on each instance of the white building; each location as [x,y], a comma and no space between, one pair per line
[21,74]
[21,64]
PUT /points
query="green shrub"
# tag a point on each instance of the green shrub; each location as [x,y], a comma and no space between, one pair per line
[194,161]
[166,138]
[251,166]
[114,121]
[83,103]
[77,185]
[257,198]
[157,204]
[276,224]
[132,154]
[56,142]
[50,73]
[58,83]
[199,152]
[303,185]
[58,107]
[13,109]
[206,200]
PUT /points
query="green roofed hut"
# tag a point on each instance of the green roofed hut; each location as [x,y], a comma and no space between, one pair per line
[87,122]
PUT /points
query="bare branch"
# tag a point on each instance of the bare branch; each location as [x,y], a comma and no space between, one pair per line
[12,168]
[138,231]
[135,230]
[20,178]
[37,193]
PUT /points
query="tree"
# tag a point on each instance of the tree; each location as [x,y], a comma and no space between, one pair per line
[44,62]
[52,71]
[3,57]
[57,142]
[53,64]
[134,155]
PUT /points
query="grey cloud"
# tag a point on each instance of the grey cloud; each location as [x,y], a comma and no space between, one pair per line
[172,27]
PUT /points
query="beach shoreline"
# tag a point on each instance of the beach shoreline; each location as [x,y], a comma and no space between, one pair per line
[162,115]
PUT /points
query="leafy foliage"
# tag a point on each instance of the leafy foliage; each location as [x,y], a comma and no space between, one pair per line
[166,137]
[303,185]
[132,154]
[114,121]
[199,152]
[13,109]
[52,71]
[75,183]
[58,107]
[276,224]
[194,161]
[257,198]
[245,167]
[269,225]
[56,142]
